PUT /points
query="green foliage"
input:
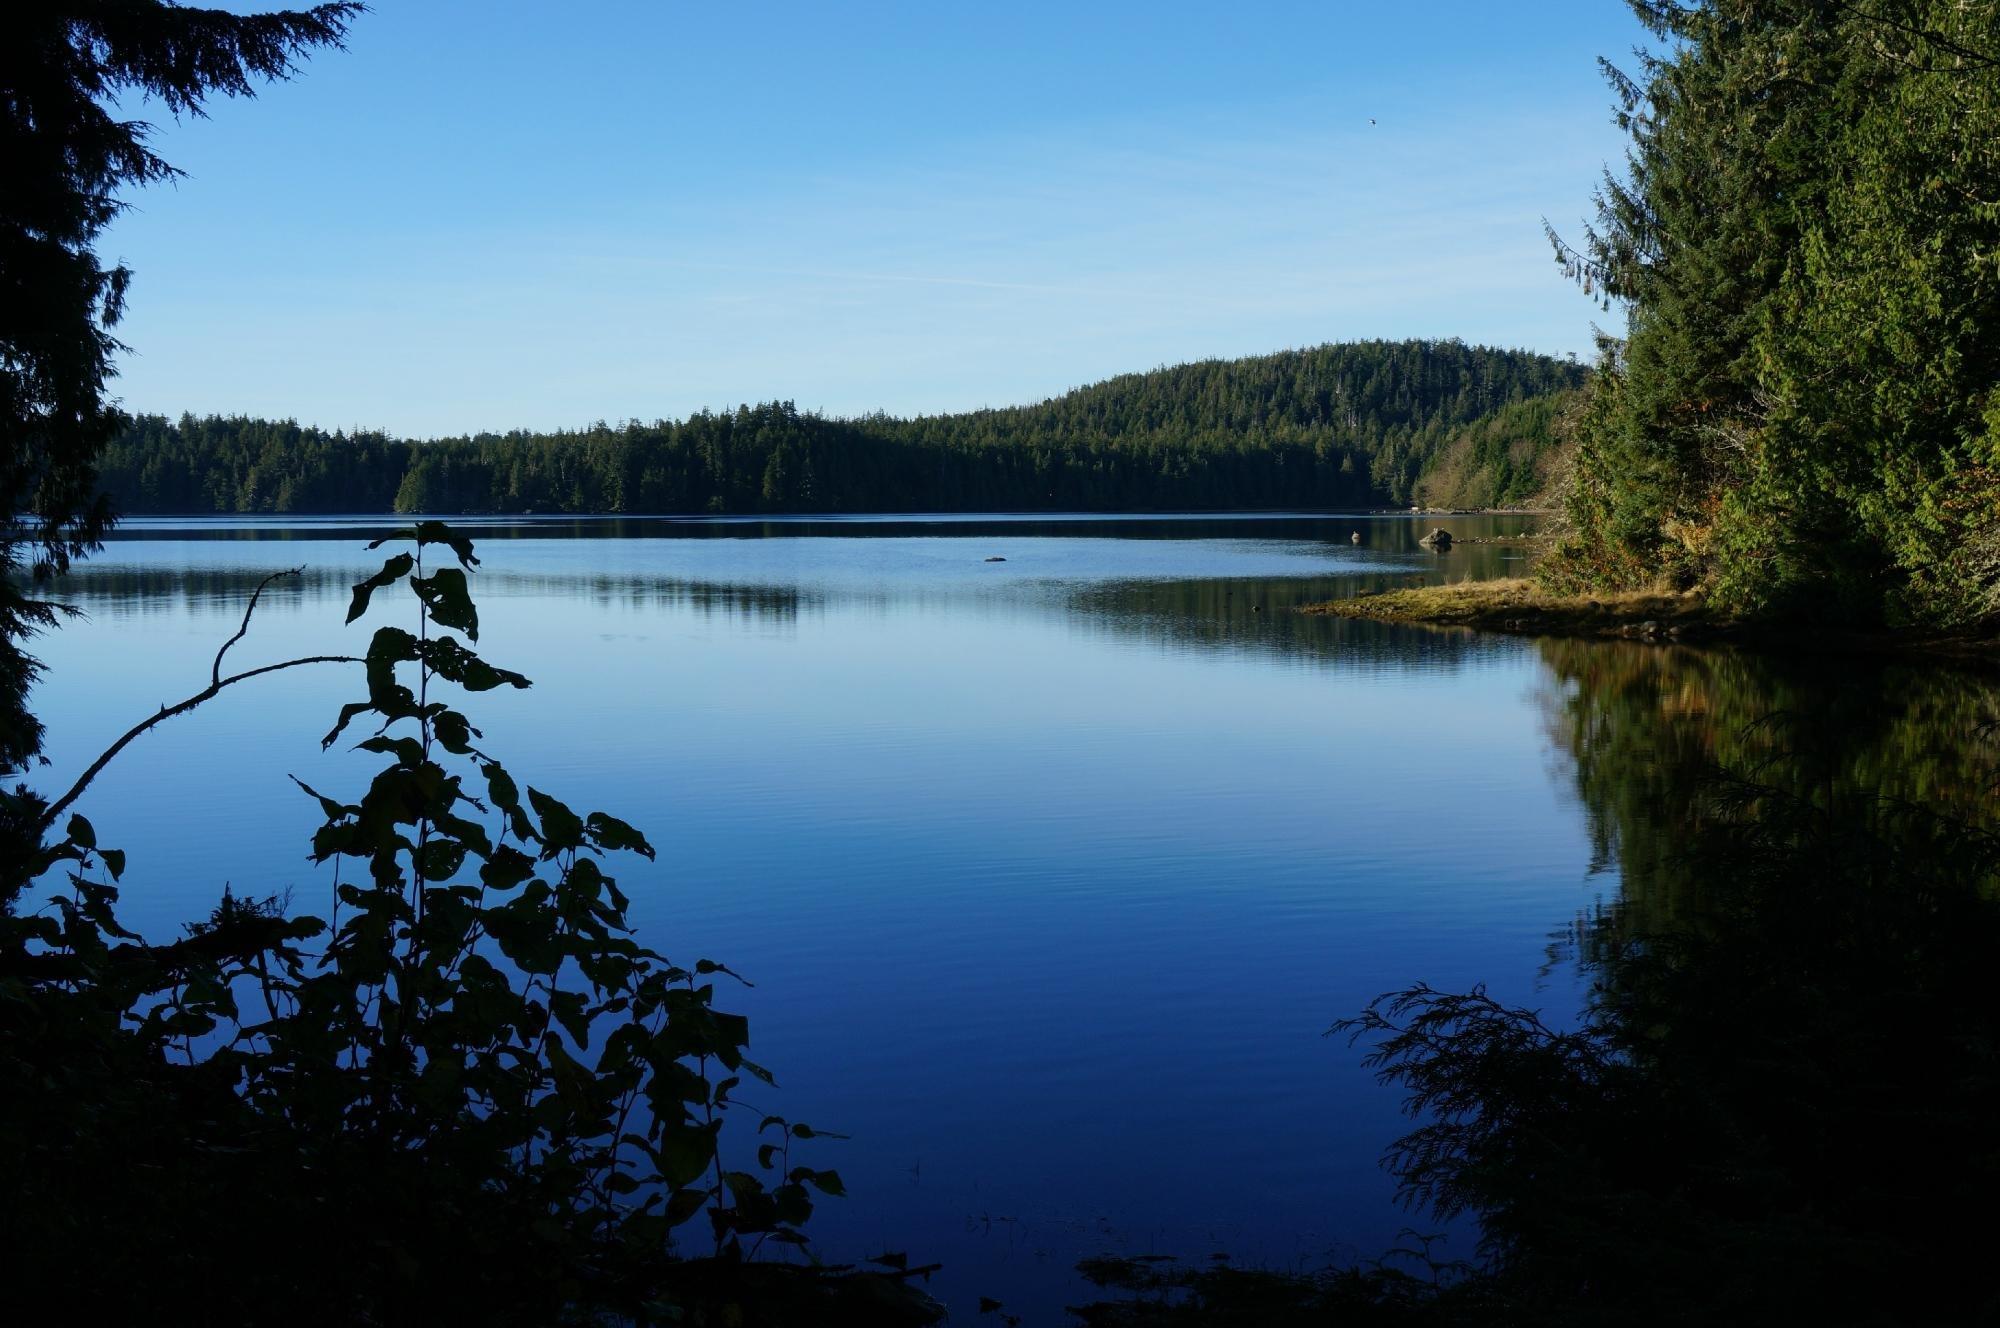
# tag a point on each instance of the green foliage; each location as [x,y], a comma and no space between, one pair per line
[1802,415]
[1505,459]
[468,1094]
[1333,426]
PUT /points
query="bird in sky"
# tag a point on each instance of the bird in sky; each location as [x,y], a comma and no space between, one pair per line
[1371,119]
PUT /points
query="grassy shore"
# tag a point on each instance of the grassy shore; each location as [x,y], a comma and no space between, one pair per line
[1519,605]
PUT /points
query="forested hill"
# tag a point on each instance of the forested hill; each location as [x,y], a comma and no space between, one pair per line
[1338,425]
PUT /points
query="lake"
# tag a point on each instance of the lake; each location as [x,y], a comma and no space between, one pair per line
[1051,872]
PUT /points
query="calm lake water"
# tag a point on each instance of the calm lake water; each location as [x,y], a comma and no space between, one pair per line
[1051,872]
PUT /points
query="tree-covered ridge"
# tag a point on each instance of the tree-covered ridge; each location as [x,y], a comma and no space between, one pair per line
[1509,458]
[1336,425]
[1806,412]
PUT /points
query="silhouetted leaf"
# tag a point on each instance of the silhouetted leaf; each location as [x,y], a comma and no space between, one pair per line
[503,793]
[611,834]
[560,827]
[685,1204]
[334,810]
[440,860]
[407,750]
[448,599]
[453,732]
[686,1152]
[506,868]
[437,532]
[450,660]
[793,1205]
[391,571]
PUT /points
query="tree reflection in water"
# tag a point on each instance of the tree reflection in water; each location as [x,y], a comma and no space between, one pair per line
[1779,1103]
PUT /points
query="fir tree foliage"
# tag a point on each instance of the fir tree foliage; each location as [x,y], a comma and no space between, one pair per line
[1802,415]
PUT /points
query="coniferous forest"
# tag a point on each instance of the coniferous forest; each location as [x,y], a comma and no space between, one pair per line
[1804,415]
[1373,422]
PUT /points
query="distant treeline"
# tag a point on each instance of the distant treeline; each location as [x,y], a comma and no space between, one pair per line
[1339,425]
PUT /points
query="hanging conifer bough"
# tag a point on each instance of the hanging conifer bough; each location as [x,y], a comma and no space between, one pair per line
[63,68]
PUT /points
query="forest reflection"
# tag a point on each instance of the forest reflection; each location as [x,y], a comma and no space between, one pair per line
[1662,741]
[1778,1103]
[224,590]
[1256,615]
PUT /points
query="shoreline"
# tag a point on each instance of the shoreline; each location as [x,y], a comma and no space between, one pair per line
[1518,607]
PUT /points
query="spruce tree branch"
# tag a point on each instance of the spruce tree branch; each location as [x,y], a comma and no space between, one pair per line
[1979,59]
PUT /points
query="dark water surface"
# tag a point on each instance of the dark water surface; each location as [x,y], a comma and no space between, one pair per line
[1050,872]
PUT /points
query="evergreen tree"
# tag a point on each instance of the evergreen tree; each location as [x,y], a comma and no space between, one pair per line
[62,64]
[1801,416]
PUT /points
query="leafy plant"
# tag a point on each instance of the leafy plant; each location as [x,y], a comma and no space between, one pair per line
[471,1080]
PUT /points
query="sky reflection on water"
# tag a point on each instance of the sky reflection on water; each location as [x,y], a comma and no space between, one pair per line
[1051,872]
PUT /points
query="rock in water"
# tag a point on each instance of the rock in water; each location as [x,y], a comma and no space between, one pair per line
[1439,538]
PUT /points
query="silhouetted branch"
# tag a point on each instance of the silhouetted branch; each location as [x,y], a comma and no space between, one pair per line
[215,673]
[155,965]
[62,804]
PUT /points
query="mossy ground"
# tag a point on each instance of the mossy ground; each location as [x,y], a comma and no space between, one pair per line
[1521,605]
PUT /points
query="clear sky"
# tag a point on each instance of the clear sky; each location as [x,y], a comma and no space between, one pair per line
[497,215]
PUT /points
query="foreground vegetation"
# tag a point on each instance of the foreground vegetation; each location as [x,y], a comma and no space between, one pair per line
[1334,426]
[464,1092]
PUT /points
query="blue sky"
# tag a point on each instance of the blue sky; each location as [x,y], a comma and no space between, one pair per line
[485,216]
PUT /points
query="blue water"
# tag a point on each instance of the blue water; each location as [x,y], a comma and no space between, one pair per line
[1051,873]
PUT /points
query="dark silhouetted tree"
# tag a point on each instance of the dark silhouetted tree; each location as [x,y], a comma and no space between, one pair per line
[63,68]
